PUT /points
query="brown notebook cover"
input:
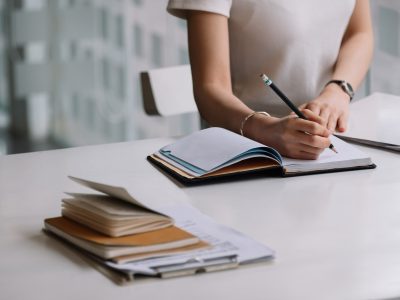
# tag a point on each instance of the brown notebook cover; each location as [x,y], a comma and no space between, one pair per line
[160,236]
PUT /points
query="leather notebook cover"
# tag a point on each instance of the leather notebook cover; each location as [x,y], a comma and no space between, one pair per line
[256,165]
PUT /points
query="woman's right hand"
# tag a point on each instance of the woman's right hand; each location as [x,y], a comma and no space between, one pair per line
[292,136]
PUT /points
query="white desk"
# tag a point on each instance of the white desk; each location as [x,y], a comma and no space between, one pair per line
[337,236]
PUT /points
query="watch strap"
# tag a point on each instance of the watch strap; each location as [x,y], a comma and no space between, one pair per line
[344,85]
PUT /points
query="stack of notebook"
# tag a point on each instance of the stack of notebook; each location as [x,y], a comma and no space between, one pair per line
[126,239]
[113,229]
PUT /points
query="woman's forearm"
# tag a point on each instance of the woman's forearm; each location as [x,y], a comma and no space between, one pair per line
[354,58]
[357,46]
[219,107]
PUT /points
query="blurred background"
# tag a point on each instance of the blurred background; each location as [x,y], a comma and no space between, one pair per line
[69,69]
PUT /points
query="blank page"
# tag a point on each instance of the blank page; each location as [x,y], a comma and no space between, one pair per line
[210,148]
[348,156]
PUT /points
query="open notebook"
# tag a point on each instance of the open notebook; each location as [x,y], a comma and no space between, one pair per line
[215,152]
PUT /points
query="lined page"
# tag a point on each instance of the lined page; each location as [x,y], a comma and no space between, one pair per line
[348,156]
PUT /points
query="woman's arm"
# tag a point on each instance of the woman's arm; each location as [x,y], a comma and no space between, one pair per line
[209,59]
[210,63]
[352,64]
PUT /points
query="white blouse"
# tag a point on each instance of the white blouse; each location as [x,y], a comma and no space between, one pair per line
[296,43]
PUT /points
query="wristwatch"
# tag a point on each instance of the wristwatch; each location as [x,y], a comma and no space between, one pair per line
[346,87]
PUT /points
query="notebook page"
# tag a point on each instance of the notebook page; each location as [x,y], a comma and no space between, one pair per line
[347,156]
[210,148]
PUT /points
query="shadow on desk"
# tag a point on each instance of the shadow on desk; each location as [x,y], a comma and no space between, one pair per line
[44,240]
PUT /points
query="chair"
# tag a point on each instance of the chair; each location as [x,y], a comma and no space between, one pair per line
[168,91]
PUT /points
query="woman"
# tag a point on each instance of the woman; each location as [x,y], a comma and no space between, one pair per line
[301,45]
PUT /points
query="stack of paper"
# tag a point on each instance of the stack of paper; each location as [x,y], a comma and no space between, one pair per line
[111,232]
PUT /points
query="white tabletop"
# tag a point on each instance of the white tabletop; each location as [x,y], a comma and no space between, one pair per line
[336,236]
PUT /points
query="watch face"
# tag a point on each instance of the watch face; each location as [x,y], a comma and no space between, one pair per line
[348,89]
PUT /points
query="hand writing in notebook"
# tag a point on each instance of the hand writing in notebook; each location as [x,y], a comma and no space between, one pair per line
[293,136]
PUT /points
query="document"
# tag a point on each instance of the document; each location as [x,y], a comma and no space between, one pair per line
[226,242]
[220,247]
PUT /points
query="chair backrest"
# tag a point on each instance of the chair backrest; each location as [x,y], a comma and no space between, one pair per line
[168,91]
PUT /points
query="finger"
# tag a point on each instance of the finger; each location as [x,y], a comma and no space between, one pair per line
[314,108]
[300,151]
[308,126]
[324,115]
[312,116]
[310,156]
[342,123]
[310,149]
[332,123]
[304,155]
[312,143]
[303,106]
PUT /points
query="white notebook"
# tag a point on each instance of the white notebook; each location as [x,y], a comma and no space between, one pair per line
[215,152]
[375,121]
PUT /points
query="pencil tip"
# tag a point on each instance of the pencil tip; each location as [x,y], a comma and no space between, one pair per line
[334,149]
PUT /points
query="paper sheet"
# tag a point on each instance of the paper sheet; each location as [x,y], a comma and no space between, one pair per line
[346,153]
[210,148]
[225,241]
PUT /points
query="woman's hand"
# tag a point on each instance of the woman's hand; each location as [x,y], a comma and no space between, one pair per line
[332,106]
[291,136]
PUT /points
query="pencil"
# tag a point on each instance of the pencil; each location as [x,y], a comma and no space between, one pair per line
[268,82]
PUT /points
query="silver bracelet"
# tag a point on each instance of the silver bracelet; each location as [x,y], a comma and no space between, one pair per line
[249,116]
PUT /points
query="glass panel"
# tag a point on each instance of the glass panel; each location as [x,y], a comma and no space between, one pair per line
[388,31]
[106,74]
[121,82]
[137,2]
[138,40]
[91,81]
[156,50]
[385,69]
[119,31]
[183,56]
[104,23]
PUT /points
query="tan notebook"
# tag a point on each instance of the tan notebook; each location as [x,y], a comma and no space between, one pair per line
[112,216]
[109,247]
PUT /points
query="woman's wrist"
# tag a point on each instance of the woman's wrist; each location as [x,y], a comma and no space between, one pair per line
[250,116]
[255,126]
[336,92]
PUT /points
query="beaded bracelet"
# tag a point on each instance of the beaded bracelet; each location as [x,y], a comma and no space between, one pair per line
[249,116]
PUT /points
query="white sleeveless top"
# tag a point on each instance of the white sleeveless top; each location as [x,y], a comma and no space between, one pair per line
[295,43]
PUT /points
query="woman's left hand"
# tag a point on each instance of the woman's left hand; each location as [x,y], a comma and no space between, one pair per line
[332,105]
